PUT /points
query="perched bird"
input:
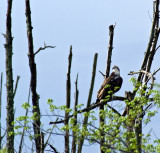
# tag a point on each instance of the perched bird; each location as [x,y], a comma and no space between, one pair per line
[110,85]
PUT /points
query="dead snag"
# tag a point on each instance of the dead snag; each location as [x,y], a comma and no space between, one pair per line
[33,82]
[9,80]
[68,99]
[110,49]
[81,141]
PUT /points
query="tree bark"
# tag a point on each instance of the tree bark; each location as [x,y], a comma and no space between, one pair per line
[153,33]
[75,117]
[110,48]
[9,80]
[142,78]
[33,82]
[68,100]
[147,63]
[81,141]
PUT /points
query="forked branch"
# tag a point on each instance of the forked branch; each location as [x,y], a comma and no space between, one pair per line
[43,48]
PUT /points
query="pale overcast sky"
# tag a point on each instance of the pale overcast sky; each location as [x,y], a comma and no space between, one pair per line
[84,25]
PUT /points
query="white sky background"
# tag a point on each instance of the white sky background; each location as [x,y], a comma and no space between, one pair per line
[84,25]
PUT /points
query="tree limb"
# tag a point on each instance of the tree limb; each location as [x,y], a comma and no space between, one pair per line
[14,93]
[102,74]
[53,148]
[43,48]
[147,74]
[104,102]
[114,110]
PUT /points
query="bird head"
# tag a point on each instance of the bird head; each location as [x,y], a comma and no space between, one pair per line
[116,70]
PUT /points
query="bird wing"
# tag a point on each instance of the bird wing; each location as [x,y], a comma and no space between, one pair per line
[116,83]
[103,91]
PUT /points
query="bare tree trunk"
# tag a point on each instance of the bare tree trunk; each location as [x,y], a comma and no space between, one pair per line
[68,97]
[75,117]
[142,78]
[154,31]
[9,80]
[33,83]
[81,141]
[149,59]
[42,142]
[138,131]
[110,48]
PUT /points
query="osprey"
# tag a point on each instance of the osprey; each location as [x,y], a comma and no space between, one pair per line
[110,85]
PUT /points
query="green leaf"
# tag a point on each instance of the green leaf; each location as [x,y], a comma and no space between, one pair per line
[25,105]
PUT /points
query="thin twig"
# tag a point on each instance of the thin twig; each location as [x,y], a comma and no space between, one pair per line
[149,16]
[53,148]
[114,110]
[142,114]
[153,49]
[14,93]
[49,136]
[157,48]
[156,71]
[102,74]
[43,48]
[145,72]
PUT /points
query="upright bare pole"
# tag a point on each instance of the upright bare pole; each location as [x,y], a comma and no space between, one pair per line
[75,117]
[85,121]
[9,80]
[68,100]
[33,82]
[110,48]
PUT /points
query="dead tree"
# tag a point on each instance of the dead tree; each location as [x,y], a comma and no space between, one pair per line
[85,121]
[146,65]
[68,100]
[133,125]
[33,82]
[74,140]
[9,80]
[110,49]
